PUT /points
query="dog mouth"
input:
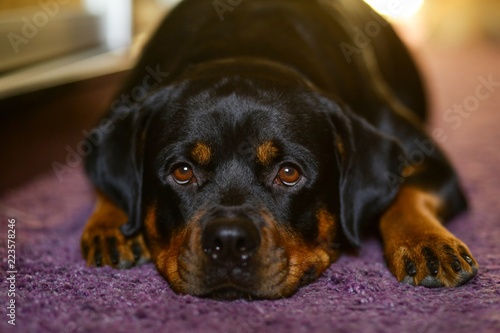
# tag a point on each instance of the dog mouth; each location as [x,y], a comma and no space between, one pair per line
[228,282]
[229,292]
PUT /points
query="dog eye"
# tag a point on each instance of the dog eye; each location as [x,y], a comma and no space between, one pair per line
[183,174]
[288,175]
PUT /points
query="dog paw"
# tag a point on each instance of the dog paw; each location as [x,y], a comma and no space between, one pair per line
[107,246]
[433,262]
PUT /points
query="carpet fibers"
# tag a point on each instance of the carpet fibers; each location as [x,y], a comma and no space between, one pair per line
[55,292]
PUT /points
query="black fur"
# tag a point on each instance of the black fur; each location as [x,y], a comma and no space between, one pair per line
[271,70]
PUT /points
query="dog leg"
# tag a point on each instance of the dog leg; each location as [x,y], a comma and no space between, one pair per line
[102,242]
[418,249]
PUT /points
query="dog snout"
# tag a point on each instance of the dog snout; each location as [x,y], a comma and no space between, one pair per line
[230,242]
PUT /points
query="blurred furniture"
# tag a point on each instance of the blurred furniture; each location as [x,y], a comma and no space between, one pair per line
[55,42]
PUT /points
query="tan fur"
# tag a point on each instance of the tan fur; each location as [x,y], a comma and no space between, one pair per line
[299,257]
[327,230]
[104,223]
[201,153]
[409,225]
[340,147]
[266,152]
[283,256]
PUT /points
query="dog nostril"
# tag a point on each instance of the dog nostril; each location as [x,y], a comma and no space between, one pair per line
[241,244]
[218,245]
[230,242]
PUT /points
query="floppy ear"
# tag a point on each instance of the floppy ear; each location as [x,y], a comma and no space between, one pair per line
[366,159]
[116,161]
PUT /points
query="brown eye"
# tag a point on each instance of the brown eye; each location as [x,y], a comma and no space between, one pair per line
[183,174]
[288,175]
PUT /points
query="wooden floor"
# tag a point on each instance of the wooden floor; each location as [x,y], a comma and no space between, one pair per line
[36,129]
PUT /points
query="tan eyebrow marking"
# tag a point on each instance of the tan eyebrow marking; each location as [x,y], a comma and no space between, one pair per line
[201,153]
[266,152]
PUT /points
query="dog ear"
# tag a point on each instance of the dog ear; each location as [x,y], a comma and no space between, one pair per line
[115,162]
[367,159]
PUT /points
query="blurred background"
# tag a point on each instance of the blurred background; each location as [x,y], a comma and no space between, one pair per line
[62,61]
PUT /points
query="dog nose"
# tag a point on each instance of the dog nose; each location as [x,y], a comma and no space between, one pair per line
[230,242]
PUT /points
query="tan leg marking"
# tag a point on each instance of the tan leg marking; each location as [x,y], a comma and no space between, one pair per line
[418,249]
[102,243]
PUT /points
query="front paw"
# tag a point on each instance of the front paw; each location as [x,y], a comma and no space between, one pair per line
[433,261]
[107,246]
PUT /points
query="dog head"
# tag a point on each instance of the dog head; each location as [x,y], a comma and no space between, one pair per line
[242,183]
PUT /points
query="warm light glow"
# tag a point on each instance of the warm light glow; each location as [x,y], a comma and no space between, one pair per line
[397,9]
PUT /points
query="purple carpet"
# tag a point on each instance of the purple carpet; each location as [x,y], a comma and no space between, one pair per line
[55,292]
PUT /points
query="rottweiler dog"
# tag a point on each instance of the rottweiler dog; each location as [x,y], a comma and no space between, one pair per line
[255,137]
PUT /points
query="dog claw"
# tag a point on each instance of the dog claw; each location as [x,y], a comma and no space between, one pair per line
[110,247]
[467,259]
[455,265]
[432,261]
[114,254]
[98,258]
[410,267]
[438,262]
[136,251]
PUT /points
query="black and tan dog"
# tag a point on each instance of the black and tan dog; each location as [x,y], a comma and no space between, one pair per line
[281,129]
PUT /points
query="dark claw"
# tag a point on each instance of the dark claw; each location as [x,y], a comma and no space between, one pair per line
[432,261]
[85,251]
[136,251]
[98,258]
[114,254]
[410,267]
[455,265]
[467,259]
[97,253]
[433,267]
[465,276]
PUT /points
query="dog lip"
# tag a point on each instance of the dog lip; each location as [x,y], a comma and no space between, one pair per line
[228,291]
[236,277]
